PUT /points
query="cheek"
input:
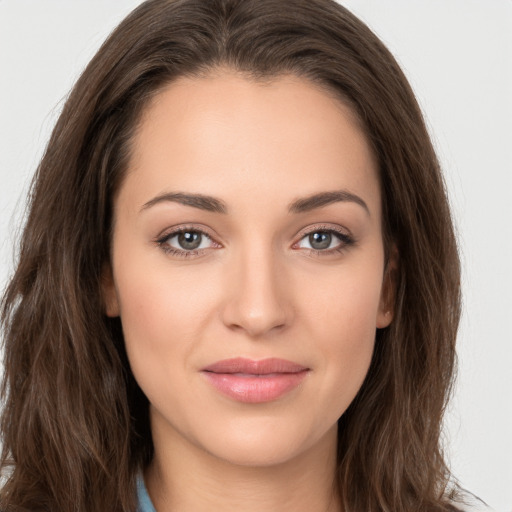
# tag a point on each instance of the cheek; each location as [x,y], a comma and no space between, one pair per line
[345,302]
[163,314]
[342,320]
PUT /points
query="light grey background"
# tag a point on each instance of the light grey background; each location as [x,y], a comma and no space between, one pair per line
[458,56]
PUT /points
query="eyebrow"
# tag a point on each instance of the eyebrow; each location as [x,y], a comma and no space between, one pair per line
[207,203]
[302,205]
[321,199]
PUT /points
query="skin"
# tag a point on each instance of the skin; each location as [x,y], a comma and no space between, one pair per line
[254,289]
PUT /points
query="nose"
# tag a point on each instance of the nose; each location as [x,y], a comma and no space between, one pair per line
[257,295]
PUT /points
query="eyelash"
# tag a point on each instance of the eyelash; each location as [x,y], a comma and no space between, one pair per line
[163,240]
[346,241]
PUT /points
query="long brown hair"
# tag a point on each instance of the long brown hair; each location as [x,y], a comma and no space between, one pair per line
[75,426]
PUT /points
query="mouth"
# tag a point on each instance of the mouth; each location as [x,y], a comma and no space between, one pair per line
[249,381]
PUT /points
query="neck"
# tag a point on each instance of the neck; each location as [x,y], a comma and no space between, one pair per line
[183,478]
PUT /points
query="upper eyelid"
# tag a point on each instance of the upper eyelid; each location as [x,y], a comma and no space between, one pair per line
[203,229]
[323,227]
[176,230]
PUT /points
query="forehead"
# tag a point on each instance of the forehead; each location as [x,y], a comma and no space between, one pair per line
[226,134]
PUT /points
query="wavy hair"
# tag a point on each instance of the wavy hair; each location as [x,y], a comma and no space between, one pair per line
[75,426]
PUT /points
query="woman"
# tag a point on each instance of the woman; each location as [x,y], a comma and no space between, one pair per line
[238,285]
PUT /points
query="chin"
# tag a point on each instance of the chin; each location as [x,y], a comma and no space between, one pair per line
[257,456]
[265,443]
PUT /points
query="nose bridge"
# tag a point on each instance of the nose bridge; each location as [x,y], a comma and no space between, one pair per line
[257,299]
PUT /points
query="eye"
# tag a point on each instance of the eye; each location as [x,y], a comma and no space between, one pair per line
[325,240]
[186,242]
[189,240]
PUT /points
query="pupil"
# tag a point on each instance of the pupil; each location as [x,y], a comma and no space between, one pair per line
[189,240]
[320,240]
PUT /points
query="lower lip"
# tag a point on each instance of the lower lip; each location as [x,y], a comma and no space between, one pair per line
[255,389]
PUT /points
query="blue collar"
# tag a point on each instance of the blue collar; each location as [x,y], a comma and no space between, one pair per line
[144,500]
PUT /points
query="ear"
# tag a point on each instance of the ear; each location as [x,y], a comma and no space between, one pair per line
[388,293]
[108,292]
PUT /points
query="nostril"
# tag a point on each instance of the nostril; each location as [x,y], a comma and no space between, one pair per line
[255,323]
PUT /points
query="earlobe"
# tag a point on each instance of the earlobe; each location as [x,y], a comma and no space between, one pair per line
[387,299]
[108,292]
[384,318]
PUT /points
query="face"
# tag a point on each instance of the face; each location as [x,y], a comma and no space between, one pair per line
[248,265]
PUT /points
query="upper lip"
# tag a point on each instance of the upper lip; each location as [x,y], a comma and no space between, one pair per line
[250,366]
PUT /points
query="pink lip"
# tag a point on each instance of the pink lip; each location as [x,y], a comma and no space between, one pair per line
[251,381]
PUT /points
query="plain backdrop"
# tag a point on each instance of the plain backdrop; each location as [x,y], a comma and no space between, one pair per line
[458,57]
